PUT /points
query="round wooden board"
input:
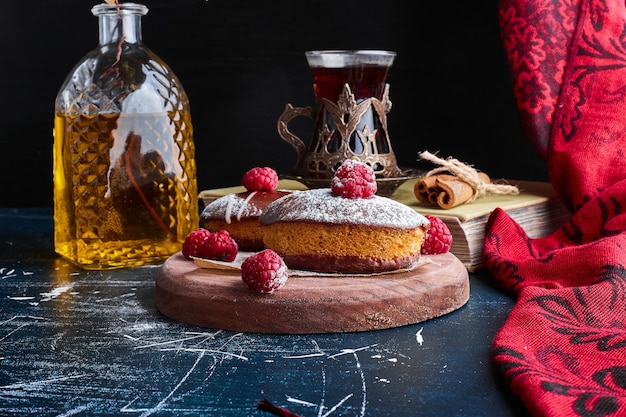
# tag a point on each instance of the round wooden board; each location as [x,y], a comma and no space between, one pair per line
[311,304]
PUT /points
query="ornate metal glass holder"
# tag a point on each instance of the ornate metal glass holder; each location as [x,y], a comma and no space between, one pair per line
[350,119]
[345,130]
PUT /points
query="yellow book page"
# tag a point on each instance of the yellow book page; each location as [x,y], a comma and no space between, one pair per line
[531,193]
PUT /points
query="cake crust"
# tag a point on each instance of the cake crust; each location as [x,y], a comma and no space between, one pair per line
[316,230]
[350,264]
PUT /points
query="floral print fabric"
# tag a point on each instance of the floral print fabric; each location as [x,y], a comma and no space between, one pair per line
[562,349]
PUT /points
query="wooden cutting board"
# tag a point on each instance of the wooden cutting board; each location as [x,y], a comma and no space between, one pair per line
[311,304]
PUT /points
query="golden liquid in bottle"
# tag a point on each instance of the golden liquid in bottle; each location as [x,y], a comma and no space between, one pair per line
[125,191]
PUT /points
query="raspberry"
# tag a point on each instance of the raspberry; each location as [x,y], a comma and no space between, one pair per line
[194,242]
[354,179]
[264,272]
[260,179]
[219,246]
[438,238]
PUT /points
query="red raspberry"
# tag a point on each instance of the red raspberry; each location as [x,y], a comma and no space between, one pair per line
[219,246]
[354,179]
[438,238]
[264,272]
[260,179]
[194,242]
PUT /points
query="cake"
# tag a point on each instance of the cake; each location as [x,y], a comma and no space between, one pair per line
[239,214]
[320,231]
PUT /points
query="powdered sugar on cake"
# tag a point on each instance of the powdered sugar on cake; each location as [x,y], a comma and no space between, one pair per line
[320,205]
[241,209]
[246,205]
[234,204]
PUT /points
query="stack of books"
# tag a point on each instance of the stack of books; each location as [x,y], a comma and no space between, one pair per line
[536,209]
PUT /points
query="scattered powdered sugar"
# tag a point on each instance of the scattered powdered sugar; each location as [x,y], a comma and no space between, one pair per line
[320,205]
[47,296]
[418,336]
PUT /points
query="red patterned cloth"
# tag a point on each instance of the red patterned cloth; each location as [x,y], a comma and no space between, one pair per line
[562,349]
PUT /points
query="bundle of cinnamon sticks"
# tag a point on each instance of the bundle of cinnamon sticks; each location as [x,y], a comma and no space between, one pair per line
[446,190]
[455,183]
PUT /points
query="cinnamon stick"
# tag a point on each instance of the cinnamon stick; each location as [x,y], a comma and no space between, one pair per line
[445,190]
[426,189]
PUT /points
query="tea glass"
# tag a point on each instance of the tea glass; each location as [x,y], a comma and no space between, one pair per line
[351,117]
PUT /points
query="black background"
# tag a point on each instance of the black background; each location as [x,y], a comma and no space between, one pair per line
[242,61]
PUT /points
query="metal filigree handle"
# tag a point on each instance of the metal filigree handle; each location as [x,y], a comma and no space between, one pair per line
[288,114]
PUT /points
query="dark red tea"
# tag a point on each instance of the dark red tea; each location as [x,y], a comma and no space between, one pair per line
[365,81]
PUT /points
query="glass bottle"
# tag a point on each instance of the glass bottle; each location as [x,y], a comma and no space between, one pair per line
[125,191]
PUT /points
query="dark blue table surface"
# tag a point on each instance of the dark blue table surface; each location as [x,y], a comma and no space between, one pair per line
[83,343]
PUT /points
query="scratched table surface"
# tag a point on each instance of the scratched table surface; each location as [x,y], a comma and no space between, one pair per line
[87,343]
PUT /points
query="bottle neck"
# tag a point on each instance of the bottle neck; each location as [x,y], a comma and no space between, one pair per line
[119,22]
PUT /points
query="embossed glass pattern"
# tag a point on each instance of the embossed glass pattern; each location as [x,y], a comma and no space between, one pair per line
[125,190]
